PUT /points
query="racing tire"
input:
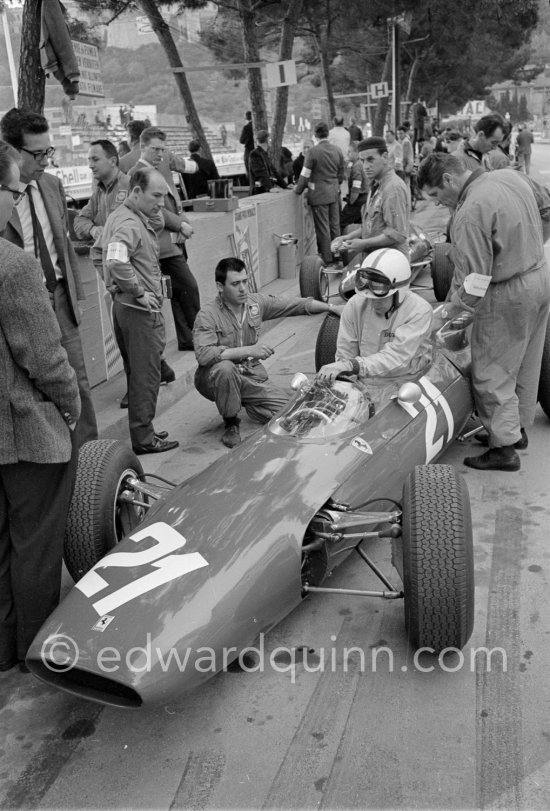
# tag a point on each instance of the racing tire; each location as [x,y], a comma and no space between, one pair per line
[442,270]
[313,282]
[325,346]
[438,568]
[544,379]
[96,522]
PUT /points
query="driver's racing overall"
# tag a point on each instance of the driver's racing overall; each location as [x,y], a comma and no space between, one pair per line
[385,328]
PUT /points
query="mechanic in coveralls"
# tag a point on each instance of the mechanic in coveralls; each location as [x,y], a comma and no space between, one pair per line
[385,215]
[501,275]
[384,328]
[228,350]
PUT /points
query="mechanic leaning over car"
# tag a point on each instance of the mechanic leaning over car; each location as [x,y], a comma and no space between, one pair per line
[385,215]
[226,337]
[501,276]
[132,275]
[385,328]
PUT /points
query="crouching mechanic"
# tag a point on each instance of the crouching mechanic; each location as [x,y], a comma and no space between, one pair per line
[226,338]
[385,328]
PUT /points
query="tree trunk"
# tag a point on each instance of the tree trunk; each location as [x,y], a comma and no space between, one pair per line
[410,84]
[325,64]
[382,104]
[254,75]
[162,30]
[292,12]
[32,80]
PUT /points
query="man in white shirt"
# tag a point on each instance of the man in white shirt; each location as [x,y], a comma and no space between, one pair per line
[339,136]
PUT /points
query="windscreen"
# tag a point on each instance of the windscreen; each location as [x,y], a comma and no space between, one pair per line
[322,410]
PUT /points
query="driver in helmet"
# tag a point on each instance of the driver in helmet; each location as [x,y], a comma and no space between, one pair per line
[385,328]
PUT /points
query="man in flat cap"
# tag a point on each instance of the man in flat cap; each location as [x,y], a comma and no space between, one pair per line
[385,215]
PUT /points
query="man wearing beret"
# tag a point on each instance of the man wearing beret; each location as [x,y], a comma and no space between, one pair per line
[385,215]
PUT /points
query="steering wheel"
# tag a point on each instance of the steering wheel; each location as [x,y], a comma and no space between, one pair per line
[311,412]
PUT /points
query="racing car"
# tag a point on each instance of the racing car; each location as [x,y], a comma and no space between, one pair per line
[424,252]
[165,572]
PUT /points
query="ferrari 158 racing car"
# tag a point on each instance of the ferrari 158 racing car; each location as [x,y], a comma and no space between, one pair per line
[224,556]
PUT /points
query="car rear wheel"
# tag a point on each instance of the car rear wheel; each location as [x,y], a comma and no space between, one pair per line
[438,572]
[98,519]
[442,270]
[325,346]
[544,379]
[313,282]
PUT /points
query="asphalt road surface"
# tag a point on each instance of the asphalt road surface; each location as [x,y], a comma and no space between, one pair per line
[388,731]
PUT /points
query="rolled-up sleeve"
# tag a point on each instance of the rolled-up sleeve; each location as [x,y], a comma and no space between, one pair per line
[395,209]
[278,306]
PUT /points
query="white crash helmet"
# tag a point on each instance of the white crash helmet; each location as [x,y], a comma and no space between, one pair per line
[383,273]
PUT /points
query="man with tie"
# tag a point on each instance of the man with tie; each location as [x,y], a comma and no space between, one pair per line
[185,299]
[39,225]
[385,215]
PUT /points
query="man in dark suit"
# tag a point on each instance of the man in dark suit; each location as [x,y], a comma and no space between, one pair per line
[39,409]
[197,183]
[40,226]
[247,138]
[322,173]
[185,299]
[263,175]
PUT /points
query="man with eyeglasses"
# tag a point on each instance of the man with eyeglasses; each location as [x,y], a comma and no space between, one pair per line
[185,301]
[385,328]
[39,224]
[39,410]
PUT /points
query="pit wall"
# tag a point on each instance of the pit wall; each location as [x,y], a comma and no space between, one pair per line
[251,231]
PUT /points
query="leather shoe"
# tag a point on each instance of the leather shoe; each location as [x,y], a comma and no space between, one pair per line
[520,445]
[231,436]
[167,374]
[495,459]
[7,665]
[156,446]
[23,667]
[161,434]
[124,401]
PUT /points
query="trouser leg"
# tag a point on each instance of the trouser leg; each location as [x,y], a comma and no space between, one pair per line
[70,339]
[262,400]
[507,341]
[322,231]
[221,384]
[35,500]
[334,220]
[143,338]
[185,301]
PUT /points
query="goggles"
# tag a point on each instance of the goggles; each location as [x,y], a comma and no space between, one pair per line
[377,283]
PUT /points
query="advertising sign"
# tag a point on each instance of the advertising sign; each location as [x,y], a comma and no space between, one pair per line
[90,82]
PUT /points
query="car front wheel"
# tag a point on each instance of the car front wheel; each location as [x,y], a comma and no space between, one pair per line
[313,282]
[544,379]
[438,572]
[100,514]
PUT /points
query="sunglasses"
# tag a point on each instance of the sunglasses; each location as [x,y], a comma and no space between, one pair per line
[39,154]
[16,194]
